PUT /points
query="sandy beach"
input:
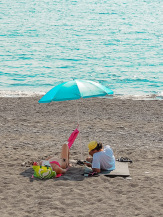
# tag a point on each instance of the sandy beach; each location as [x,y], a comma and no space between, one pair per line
[31,131]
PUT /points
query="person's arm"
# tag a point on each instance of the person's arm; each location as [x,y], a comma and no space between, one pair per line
[88,164]
[96,164]
[96,170]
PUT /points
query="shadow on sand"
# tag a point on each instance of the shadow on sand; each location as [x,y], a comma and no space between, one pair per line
[72,174]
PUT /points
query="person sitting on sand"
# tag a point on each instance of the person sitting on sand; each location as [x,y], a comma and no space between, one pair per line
[102,157]
[58,165]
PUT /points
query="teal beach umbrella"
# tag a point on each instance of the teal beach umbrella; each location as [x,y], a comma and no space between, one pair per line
[73,90]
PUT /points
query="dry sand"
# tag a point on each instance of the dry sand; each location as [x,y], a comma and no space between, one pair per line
[32,131]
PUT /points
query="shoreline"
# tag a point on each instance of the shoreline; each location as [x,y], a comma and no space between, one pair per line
[35,93]
[31,131]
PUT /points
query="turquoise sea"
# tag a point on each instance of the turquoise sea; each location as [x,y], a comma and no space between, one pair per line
[118,43]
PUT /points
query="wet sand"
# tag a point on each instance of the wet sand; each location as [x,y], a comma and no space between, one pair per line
[31,131]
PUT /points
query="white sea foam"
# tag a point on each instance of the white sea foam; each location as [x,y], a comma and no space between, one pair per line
[8,93]
[140,97]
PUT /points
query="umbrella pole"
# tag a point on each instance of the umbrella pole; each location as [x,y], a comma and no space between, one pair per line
[80,143]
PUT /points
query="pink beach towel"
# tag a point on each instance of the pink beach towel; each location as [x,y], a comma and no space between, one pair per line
[72,137]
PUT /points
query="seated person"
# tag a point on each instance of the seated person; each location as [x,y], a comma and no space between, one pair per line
[102,157]
[58,165]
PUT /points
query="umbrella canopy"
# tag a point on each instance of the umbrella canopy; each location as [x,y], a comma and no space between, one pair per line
[75,89]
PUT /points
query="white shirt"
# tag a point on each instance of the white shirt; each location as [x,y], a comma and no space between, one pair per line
[104,159]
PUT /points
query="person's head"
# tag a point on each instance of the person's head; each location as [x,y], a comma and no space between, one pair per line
[94,147]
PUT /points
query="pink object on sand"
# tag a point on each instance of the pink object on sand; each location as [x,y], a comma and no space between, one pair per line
[59,175]
[57,163]
[72,137]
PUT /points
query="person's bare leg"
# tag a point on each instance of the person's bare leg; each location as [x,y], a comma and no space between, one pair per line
[64,156]
[57,169]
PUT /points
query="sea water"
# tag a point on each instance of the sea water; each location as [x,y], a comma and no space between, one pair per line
[115,42]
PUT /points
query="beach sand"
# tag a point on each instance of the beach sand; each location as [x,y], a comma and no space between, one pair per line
[31,131]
